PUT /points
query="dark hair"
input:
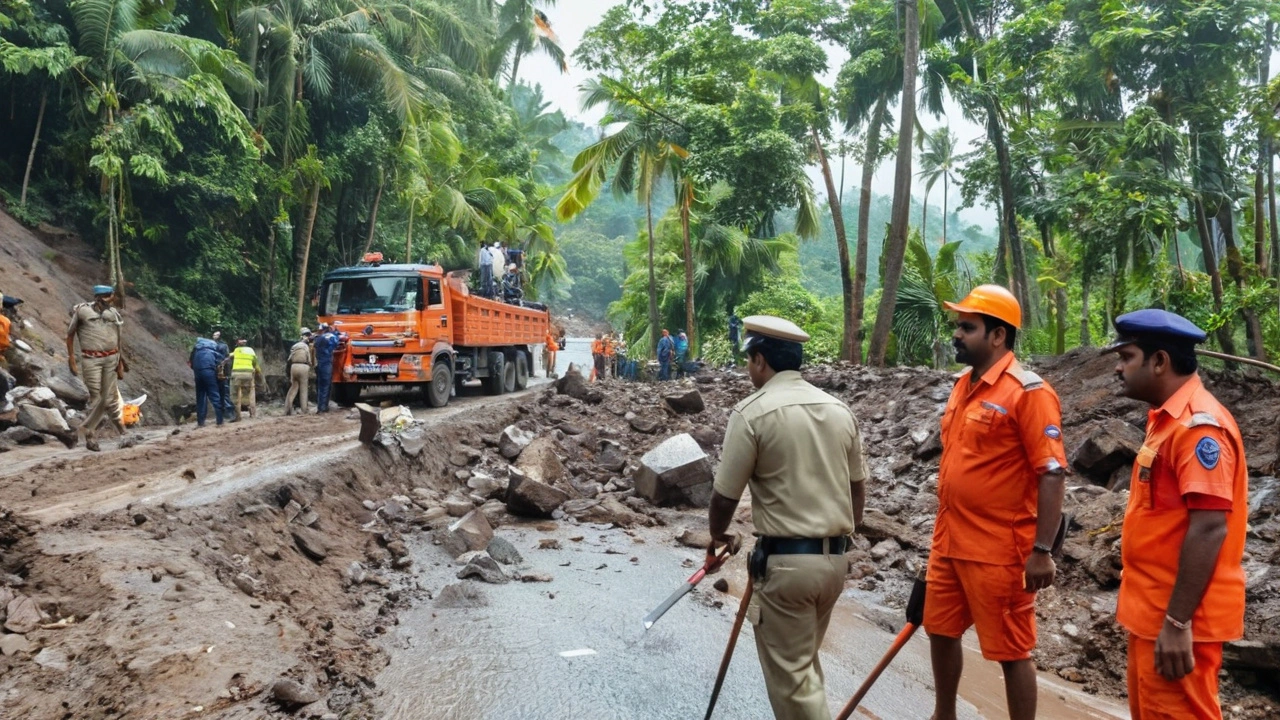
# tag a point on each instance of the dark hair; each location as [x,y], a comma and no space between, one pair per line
[780,355]
[1010,332]
[1182,355]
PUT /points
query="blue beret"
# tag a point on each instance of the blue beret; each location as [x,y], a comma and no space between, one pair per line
[1155,324]
[103,290]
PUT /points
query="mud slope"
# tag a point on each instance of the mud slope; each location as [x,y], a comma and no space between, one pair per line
[53,270]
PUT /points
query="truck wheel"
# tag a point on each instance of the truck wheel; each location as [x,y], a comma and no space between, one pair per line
[346,394]
[493,385]
[509,377]
[522,370]
[440,385]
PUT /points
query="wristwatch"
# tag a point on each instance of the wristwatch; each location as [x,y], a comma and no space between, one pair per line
[1042,549]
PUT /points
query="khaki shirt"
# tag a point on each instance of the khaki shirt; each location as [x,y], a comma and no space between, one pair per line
[300,353]
[799,449]
[97,332]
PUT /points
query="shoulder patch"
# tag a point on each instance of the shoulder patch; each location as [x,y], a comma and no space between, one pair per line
[1029,380]
[1203,418]
[1053,432]
[1208,452]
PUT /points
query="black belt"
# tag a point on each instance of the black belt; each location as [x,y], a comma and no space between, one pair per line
[805,546]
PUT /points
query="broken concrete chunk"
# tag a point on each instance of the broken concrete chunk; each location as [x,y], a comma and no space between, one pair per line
[675,471]
[487,486]
[1112,444]
[540,462]
[288,691]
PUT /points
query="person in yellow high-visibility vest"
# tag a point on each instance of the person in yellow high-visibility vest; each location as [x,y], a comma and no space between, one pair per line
[244,369]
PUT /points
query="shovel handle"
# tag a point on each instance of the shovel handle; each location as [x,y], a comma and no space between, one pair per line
[713,562]
[903,636]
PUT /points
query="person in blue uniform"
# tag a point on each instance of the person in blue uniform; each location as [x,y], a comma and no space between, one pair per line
[325,344]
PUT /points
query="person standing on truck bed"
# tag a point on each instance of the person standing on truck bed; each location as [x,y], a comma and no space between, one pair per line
[301,359]
[485,265]
[498,259]
[326,344]
[511,291]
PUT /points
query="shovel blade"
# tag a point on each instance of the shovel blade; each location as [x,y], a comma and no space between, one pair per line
[661,610]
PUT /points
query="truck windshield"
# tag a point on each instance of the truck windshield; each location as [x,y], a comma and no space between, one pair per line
[373,294]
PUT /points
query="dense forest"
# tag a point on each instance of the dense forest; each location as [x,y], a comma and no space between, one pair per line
[223,154]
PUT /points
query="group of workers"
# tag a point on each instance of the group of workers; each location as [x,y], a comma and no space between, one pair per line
[1001,482]
[608,350]
[672,350]
[500,272]
[311,352]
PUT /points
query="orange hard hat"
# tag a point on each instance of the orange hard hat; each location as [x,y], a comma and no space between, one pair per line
[991,300]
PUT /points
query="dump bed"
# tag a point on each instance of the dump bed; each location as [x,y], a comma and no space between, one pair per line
[480,322]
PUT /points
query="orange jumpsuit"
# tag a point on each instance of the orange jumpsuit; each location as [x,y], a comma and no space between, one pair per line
[1192,459]
[597,359]
[998,436]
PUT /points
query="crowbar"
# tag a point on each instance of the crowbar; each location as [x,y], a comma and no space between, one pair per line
[915,616]
[728,650]
[713,562]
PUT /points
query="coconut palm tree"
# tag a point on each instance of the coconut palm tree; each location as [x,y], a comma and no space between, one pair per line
[937,161]
[638,152]
[523,28]
[131,73]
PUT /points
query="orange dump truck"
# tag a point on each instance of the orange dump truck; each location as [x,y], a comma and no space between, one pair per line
[417,325]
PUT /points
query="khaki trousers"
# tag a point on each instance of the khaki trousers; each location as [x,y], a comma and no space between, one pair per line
[298,375]
[99,375]
[790,611]
[242,388]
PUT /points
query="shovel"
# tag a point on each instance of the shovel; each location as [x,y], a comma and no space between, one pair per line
[915,616]
[728,650]
[713,562]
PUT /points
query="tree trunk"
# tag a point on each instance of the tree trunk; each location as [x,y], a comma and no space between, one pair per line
[1235,266]
[373,216]
[864,212]
[515,70]
[1008,206]
[408,237]
[1264,156]
[1271,209]
[1215,276]
[842,250]
[690,317]
[1000,273]
[1060,342]
[653,282]
[924,220]
[944,208]
[1085,339]
[269,282]
[35,140]
[306,252]
[117,210]
[896,245]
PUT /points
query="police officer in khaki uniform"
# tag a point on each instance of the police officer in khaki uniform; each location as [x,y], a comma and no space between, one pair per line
[302,357]
[800,451]
[97,327]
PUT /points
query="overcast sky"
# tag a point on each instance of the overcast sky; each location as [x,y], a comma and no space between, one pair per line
[572,18]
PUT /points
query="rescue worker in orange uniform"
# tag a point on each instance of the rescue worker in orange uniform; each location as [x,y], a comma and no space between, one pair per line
[1000,486]
[597,358]
[610,351]
[549,350]
[1182,589]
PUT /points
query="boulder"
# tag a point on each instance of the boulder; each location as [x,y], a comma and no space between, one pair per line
[645,425]
[38,396]
[457,506]
[292,693]
[484,567]
[13,644]
[529,498]
[503,551]
[42,420]
[470,532]
[540,462]
[573,385]
[513,441]
[1252,655]
[686,403]
[931,446]
[611,456]
[19,435]
[607,510]
[1111,444]
[675,471]
[487,486]
[69,388]
[311,542]
[412,441]
[23,615]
